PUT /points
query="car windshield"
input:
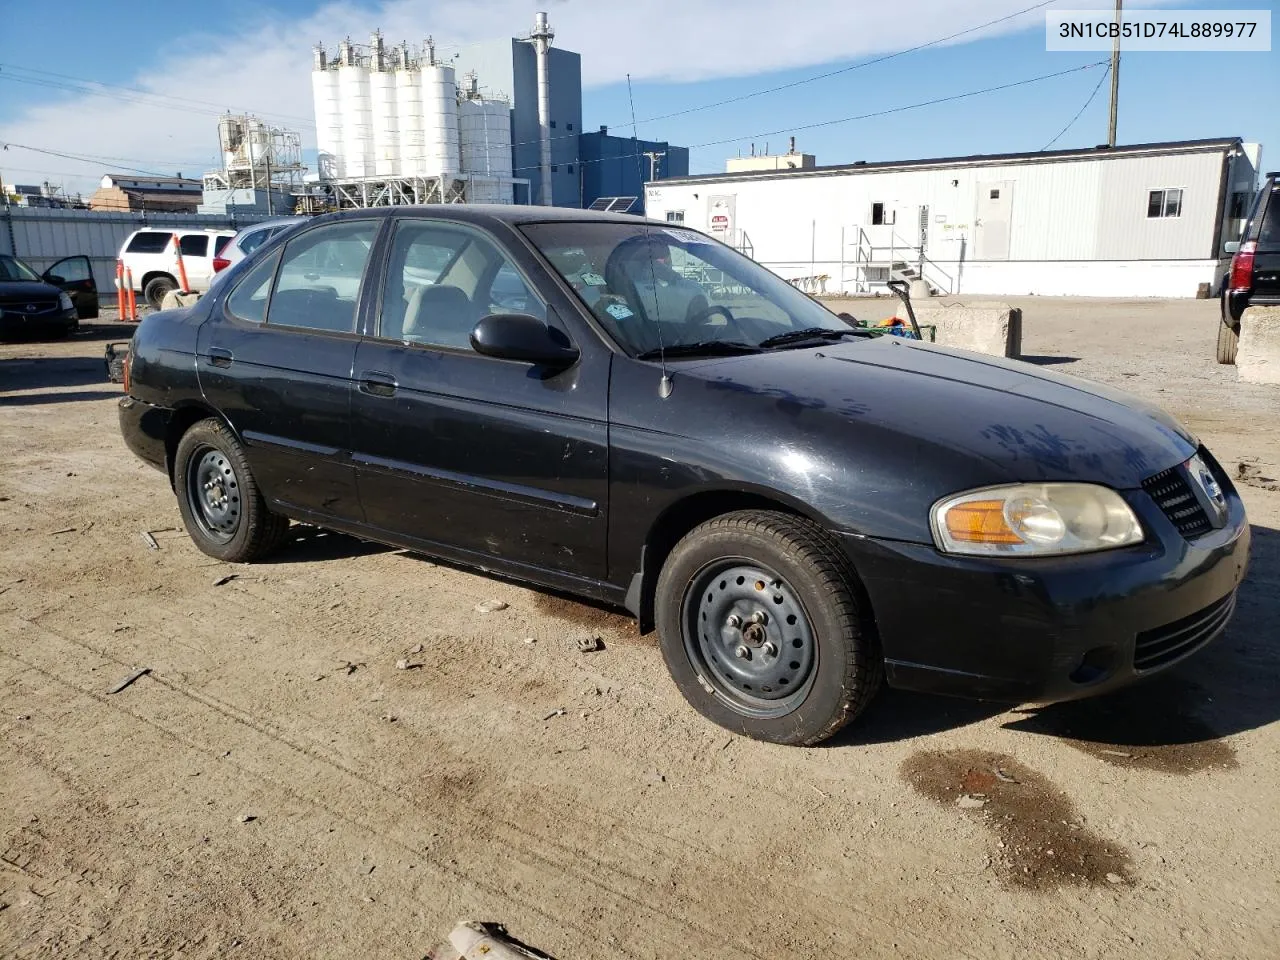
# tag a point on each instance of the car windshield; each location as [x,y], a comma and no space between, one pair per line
[14,269]
[656,287]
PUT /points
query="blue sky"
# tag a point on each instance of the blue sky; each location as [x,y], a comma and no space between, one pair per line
[680,53]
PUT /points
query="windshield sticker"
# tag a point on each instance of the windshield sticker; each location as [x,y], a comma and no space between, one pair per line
[618,311]
[687,236]
[593,279]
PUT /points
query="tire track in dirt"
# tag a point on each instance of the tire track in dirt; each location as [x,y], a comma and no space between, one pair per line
[548,853]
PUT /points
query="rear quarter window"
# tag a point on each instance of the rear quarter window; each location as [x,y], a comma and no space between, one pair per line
[149,241]
[1269,228]
[220,243]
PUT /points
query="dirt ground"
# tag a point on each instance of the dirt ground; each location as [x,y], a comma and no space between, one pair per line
[276,787]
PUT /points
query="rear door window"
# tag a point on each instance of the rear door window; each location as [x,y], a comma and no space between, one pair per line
[220,244]
[318,285]
[248,301]
[195,245]
[149,241]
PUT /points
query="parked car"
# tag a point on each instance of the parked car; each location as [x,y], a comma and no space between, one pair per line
[248,240]
[799,507]
[152,257]
[52,302]
[1254,275]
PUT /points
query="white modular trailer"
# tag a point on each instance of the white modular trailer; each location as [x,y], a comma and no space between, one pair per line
[1147,220]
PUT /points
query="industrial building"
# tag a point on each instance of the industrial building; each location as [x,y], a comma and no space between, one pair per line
[147,194]
[497,122]
[1146,220]
[619,167]
[261,169]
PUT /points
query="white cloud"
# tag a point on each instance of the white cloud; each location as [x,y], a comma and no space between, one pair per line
[264,65]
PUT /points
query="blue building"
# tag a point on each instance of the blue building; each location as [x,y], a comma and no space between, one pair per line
[614,166]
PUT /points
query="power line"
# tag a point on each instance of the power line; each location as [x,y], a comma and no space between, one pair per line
[867,116]
[100,161]
[143,97]
[857,66]
[891,110]
[1079,112]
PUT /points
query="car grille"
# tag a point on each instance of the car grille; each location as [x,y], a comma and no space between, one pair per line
[18,308]
[1163,645]
[1173,495]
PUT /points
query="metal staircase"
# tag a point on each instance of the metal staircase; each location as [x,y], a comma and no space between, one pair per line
[873,265]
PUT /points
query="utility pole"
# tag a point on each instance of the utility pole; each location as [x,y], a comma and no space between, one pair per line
[654,156]
[1115,76]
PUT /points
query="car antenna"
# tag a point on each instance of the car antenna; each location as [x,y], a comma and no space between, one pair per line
[665,385]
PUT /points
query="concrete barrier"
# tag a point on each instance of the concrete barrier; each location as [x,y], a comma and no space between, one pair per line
[992,328]
[1258,356]
[176,299]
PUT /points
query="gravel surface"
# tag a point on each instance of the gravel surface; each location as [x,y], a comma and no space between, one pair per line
[335,755]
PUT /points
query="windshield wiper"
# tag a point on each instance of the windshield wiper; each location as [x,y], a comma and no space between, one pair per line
[809,333]
[700,348]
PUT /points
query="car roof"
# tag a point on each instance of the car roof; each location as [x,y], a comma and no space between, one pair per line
[488,213]
[274,222]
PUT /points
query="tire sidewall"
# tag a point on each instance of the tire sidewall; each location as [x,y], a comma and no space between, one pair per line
[209,433]
[157,283]
[827,694]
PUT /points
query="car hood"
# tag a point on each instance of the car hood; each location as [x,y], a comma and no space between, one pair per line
[20,291]
[1021,422]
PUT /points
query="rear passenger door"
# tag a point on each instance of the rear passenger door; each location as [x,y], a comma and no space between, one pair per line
[275,358]
[196,259]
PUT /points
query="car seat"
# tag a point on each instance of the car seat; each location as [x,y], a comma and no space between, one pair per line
[440,315]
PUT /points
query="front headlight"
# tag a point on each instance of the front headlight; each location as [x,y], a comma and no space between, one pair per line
[64,301]
[1034,519]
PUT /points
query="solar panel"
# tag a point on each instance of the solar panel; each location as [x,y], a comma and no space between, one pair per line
[613,204]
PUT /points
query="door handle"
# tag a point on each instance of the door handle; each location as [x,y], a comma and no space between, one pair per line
[220,357]
[377,384]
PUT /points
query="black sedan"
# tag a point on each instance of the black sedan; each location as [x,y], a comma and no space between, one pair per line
[53,302]
[640,415]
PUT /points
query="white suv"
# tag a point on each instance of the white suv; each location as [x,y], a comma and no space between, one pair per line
[152,257]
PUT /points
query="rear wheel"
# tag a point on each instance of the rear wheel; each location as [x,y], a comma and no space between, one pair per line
[221,506]
[156,288]
[1228,342]
[762,630]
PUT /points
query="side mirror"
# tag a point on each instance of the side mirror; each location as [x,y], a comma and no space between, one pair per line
[1231,246]
[518,336]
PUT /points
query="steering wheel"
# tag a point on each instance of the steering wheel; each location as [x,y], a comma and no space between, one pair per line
[702,318]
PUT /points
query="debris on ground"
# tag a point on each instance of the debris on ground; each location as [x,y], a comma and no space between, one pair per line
[246,818]
[1002,776]
[470,940]
[404,663]
[63,530]
[531,640]
[141,672]
[149,540]
[1114,878]
[415,649]
[558,712]
[348,667]
[390,717]
[590,644]
[970,802]
[225,579]
[490,606]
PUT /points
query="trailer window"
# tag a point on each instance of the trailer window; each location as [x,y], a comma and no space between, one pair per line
[1164,203]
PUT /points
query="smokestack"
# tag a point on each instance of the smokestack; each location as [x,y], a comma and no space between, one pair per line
[541,37]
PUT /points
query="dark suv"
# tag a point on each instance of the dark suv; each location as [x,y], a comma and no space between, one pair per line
[1254,278]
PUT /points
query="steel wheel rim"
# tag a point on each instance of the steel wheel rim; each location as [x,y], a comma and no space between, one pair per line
[213,491]
[748,636]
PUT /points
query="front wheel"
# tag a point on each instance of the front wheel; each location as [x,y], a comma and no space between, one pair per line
[1228,343]
[762,629]
[222,508]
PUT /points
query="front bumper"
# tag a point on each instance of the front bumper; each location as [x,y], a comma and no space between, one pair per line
[145,428]
[1054,628]
[15,323]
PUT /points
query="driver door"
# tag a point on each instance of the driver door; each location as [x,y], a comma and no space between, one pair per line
[490,460]
[75,276]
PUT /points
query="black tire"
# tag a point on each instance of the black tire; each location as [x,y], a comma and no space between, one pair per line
[241,529]
[843,666]
[156,288]
[1228,343]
